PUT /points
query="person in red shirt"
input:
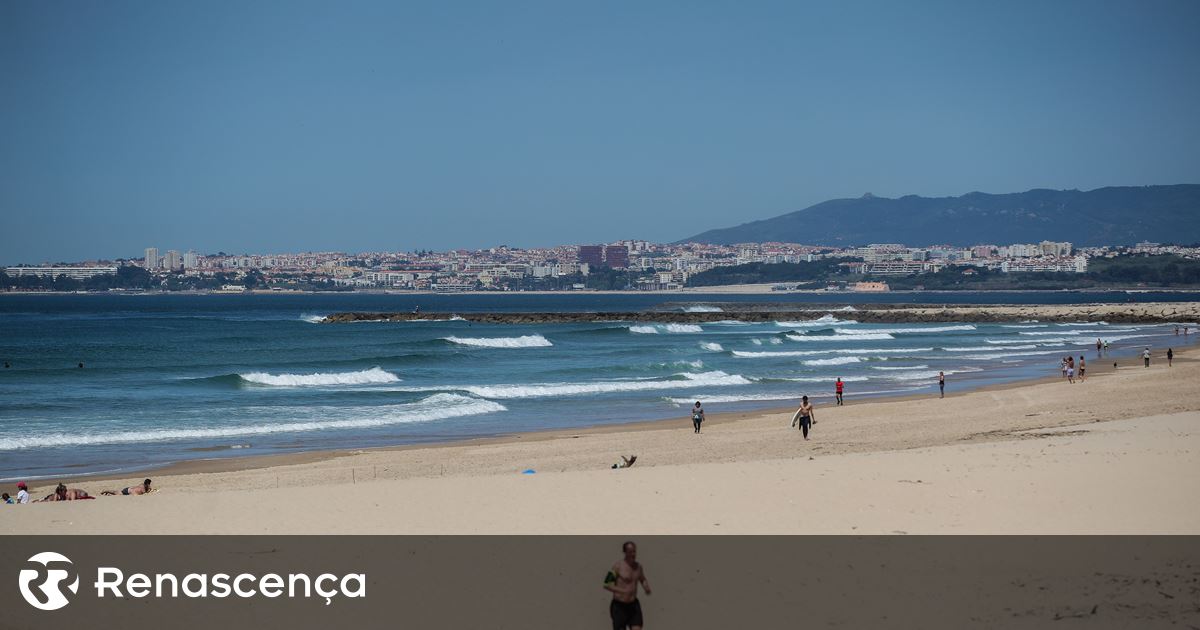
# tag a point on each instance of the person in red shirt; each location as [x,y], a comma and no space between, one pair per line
[839,390]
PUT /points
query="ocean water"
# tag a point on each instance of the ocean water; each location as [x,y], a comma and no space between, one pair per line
[169,378]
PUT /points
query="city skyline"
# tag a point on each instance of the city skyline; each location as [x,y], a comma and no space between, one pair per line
[382,126]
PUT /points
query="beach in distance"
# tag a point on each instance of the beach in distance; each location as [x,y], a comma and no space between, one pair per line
[1115,454]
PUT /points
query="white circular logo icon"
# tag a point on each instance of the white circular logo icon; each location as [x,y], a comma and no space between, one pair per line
[42,585]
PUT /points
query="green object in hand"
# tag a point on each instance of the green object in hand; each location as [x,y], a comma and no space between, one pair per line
[611,578]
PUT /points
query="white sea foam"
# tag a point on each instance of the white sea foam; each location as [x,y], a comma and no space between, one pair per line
[1030,346]
[702,309]
[904,367]
[457,318]
[1041,342]
[712,347]
[312,319]
[669,328]
[776,341]
[1023,326]
[862,337]
[848,308]
[1090,331]
[898,331]
[374,375]
[765,355]
[1124,337]
[824,320]
[928,376]
[833,361]
[527,341]
[807,353]
[1004,355]
[757,342]
[715,378]
[730,398]
[881,350]
[436,407]
[824,379]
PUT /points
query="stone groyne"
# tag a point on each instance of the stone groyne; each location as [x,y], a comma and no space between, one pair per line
[1161,312]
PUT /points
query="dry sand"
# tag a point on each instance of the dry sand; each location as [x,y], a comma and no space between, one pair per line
[1116,454]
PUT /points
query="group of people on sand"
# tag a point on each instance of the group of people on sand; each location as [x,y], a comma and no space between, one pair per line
[1069,370]
[63,493]
[804,416]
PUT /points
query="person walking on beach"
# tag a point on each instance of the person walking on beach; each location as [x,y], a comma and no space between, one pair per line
[838,388]
[1170,356]
[1071,374]
[622,581]
[1082,369]
[804,415]
[1099,347]
[1146,356]
[1064,367]
[1177,331]
[697,416]
[1105,347]
[942,384]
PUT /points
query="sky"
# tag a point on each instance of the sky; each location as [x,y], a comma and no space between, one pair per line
[281,126]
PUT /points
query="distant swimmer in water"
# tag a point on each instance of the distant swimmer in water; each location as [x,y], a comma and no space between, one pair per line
[81,364]
[7,365]
[131,490]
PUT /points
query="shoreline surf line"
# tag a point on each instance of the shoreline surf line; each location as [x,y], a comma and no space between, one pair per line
[233,463]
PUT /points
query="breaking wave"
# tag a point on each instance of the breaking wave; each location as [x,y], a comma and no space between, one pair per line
[862,337]
[372,376]
[833,361]
[436,407]
[669,328]
[527,341]
[897,331]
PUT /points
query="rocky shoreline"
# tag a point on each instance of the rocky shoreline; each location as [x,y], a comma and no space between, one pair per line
[1139,313]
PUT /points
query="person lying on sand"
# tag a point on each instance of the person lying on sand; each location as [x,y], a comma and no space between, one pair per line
[625,462]
[131,490]
[62,493]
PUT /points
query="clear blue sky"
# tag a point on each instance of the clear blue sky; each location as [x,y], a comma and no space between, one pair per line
[298,125]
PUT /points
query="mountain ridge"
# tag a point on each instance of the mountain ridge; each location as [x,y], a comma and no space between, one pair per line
[1113,215]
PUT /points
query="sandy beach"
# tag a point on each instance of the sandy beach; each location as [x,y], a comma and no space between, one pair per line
[1115,454]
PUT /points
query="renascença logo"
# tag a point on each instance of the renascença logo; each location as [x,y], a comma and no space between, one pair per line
[43,584]
[50,573]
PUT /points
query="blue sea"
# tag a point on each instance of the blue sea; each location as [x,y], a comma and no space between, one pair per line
[175,377]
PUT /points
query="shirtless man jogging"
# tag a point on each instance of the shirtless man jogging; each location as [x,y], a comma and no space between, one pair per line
[622,581]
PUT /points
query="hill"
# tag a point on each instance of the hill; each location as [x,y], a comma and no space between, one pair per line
[1120,215]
